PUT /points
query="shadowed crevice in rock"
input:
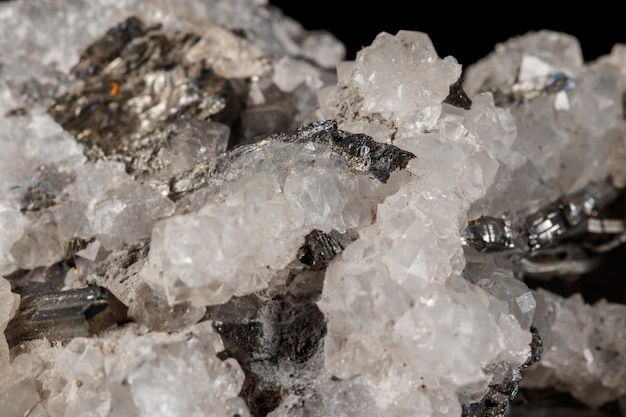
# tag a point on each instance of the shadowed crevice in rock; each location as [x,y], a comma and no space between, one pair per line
[274,346]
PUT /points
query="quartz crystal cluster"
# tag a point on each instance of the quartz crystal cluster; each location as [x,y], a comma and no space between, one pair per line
[205,211]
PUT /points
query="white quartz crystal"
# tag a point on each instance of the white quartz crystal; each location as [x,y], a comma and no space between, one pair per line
[121,213]
[402,275]
[119,373]
[414,324]
[38,153]
[33,147]
[584,348]
[235,245]
[411,256]
[564,140]
[127,373]
[9,303]
[383,89]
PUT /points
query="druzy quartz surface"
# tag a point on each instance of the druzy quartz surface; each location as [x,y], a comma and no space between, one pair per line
[205,210]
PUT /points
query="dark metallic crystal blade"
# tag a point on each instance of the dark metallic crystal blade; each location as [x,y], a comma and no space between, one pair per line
[62,315]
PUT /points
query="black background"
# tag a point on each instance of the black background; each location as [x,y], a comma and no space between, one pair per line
[468,31]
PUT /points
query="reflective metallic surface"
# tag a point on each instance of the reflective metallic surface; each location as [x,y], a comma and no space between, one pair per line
[567,236]
[62,315]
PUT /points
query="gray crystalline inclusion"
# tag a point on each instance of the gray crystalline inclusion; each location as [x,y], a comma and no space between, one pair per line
[63,315]
[360,153]
[133,91]
[319,248]
[527,90]
[488,234]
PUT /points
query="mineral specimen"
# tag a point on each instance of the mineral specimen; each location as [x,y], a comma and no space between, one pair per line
[206,212]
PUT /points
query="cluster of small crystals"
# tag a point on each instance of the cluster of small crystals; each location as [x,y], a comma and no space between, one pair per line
[41,158]
[38,53]
[584,348]
[228,247]
[122,373]
[380,94]
[401,273]
[106,201]
[565,139]
[399,313]
[568,134]
[58,206]
[413,325]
